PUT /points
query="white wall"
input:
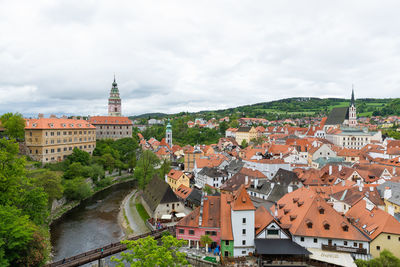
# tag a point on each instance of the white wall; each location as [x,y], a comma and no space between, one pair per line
[237,230]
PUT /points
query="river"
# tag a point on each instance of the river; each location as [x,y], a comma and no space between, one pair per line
[92,224]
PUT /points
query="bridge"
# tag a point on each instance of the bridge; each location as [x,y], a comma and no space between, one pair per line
[103,252]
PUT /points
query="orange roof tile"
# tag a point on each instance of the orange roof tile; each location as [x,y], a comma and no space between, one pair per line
[110,120]
[241,200]
[56,123]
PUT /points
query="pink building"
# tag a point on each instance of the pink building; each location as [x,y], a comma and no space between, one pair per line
[204,220]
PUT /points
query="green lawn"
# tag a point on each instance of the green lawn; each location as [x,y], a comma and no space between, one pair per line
[142,212]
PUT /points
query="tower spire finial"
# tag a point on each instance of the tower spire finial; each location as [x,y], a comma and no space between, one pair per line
[114,76]
[352,95]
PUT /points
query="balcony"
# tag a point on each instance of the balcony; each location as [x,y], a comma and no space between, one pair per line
[344,249]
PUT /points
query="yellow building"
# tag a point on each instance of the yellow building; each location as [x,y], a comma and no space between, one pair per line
[381,227]
[53,139]
[191,155]
[245,133]
[176,178]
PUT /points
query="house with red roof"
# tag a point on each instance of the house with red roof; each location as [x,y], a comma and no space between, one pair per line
[112,127]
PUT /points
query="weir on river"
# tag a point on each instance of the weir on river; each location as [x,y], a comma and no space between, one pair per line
[92,224]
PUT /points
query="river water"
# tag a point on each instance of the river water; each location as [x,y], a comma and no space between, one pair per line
[92,224]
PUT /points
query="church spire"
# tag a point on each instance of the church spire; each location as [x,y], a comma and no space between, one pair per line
[352,96]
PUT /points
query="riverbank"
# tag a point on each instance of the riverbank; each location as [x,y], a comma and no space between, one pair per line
[62,210]
[129,219]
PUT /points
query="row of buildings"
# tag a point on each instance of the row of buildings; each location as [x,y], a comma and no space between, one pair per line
[53,139]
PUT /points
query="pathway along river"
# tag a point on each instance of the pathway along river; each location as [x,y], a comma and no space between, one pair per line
[92,224]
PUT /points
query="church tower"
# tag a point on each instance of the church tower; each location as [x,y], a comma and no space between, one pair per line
[114,101]
[168,135]
[352,111]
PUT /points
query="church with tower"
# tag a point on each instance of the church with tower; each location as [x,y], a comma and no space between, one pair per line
[114,101]
[343,116]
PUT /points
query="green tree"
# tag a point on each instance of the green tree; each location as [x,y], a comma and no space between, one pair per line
[51,183]
[12,172]
[147,252]
[77,189]
[165,168]
[80,156]
[14,125]
[16,232]
[222,127]
[74,170]
[145,167]
[205,240]
[244,143]
[385,259]
[34,203]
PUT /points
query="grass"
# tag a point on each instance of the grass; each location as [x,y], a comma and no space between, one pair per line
[142,212]
[128,227]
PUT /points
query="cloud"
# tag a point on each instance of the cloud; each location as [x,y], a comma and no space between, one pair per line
[171,56]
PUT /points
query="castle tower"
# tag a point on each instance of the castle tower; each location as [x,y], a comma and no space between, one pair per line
[352,111]
[168,135]
[114,101]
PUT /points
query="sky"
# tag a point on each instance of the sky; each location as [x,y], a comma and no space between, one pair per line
[59,57]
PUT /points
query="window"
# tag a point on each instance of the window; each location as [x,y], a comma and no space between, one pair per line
[244,220]
[191,232]
[315,240]
[273,232]
[244,231]
[345,243]
[226,242]
[243,242]
[244,252]
[226,254]
[181,231]
[302,239]
[378,247]
[355,244]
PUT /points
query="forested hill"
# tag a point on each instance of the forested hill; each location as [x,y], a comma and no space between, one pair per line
[297,107]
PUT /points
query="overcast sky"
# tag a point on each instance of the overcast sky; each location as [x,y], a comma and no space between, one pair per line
[59,56]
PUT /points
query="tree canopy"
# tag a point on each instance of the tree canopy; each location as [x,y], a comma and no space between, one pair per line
[147,252]
[14,125]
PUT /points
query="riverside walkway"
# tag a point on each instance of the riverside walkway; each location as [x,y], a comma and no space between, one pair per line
[111,249]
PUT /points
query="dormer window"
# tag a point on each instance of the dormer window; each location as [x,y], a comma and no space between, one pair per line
[345,227]
[64,125]
[293,217]
[34,124]
[321,210]
[295,199]
[309,224]
[326,225]
[286,211]
[300,203]
[72,125]
[281,206]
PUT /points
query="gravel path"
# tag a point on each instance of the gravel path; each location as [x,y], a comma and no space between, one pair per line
[135,221]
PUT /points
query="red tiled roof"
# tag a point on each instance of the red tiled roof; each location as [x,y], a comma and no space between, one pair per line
[110,120]
[55,123]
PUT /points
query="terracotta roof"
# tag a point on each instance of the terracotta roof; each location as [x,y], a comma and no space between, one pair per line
[262,218]
[252,173]
[241,200]
[183,191]
[110,120]
[373,222]
[55,123]
[307,213]
[226,223]
[190,220]
[175,174]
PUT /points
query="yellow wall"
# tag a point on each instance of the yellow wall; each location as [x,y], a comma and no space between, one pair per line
[174,184]
[240,136]
[51,145]
[392,244]
[387,204]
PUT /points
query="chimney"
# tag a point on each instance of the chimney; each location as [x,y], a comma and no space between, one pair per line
[330,169]
[394,171]
[280,156]
[276,211]
[40,115]
[387,193]
[360,188]
[246,180]
[371,189]
[340,167]
[358,182]
[343,183]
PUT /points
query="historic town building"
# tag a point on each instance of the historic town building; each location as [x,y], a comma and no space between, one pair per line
[114,101]
[343,116]
[53,139]
[111,127]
